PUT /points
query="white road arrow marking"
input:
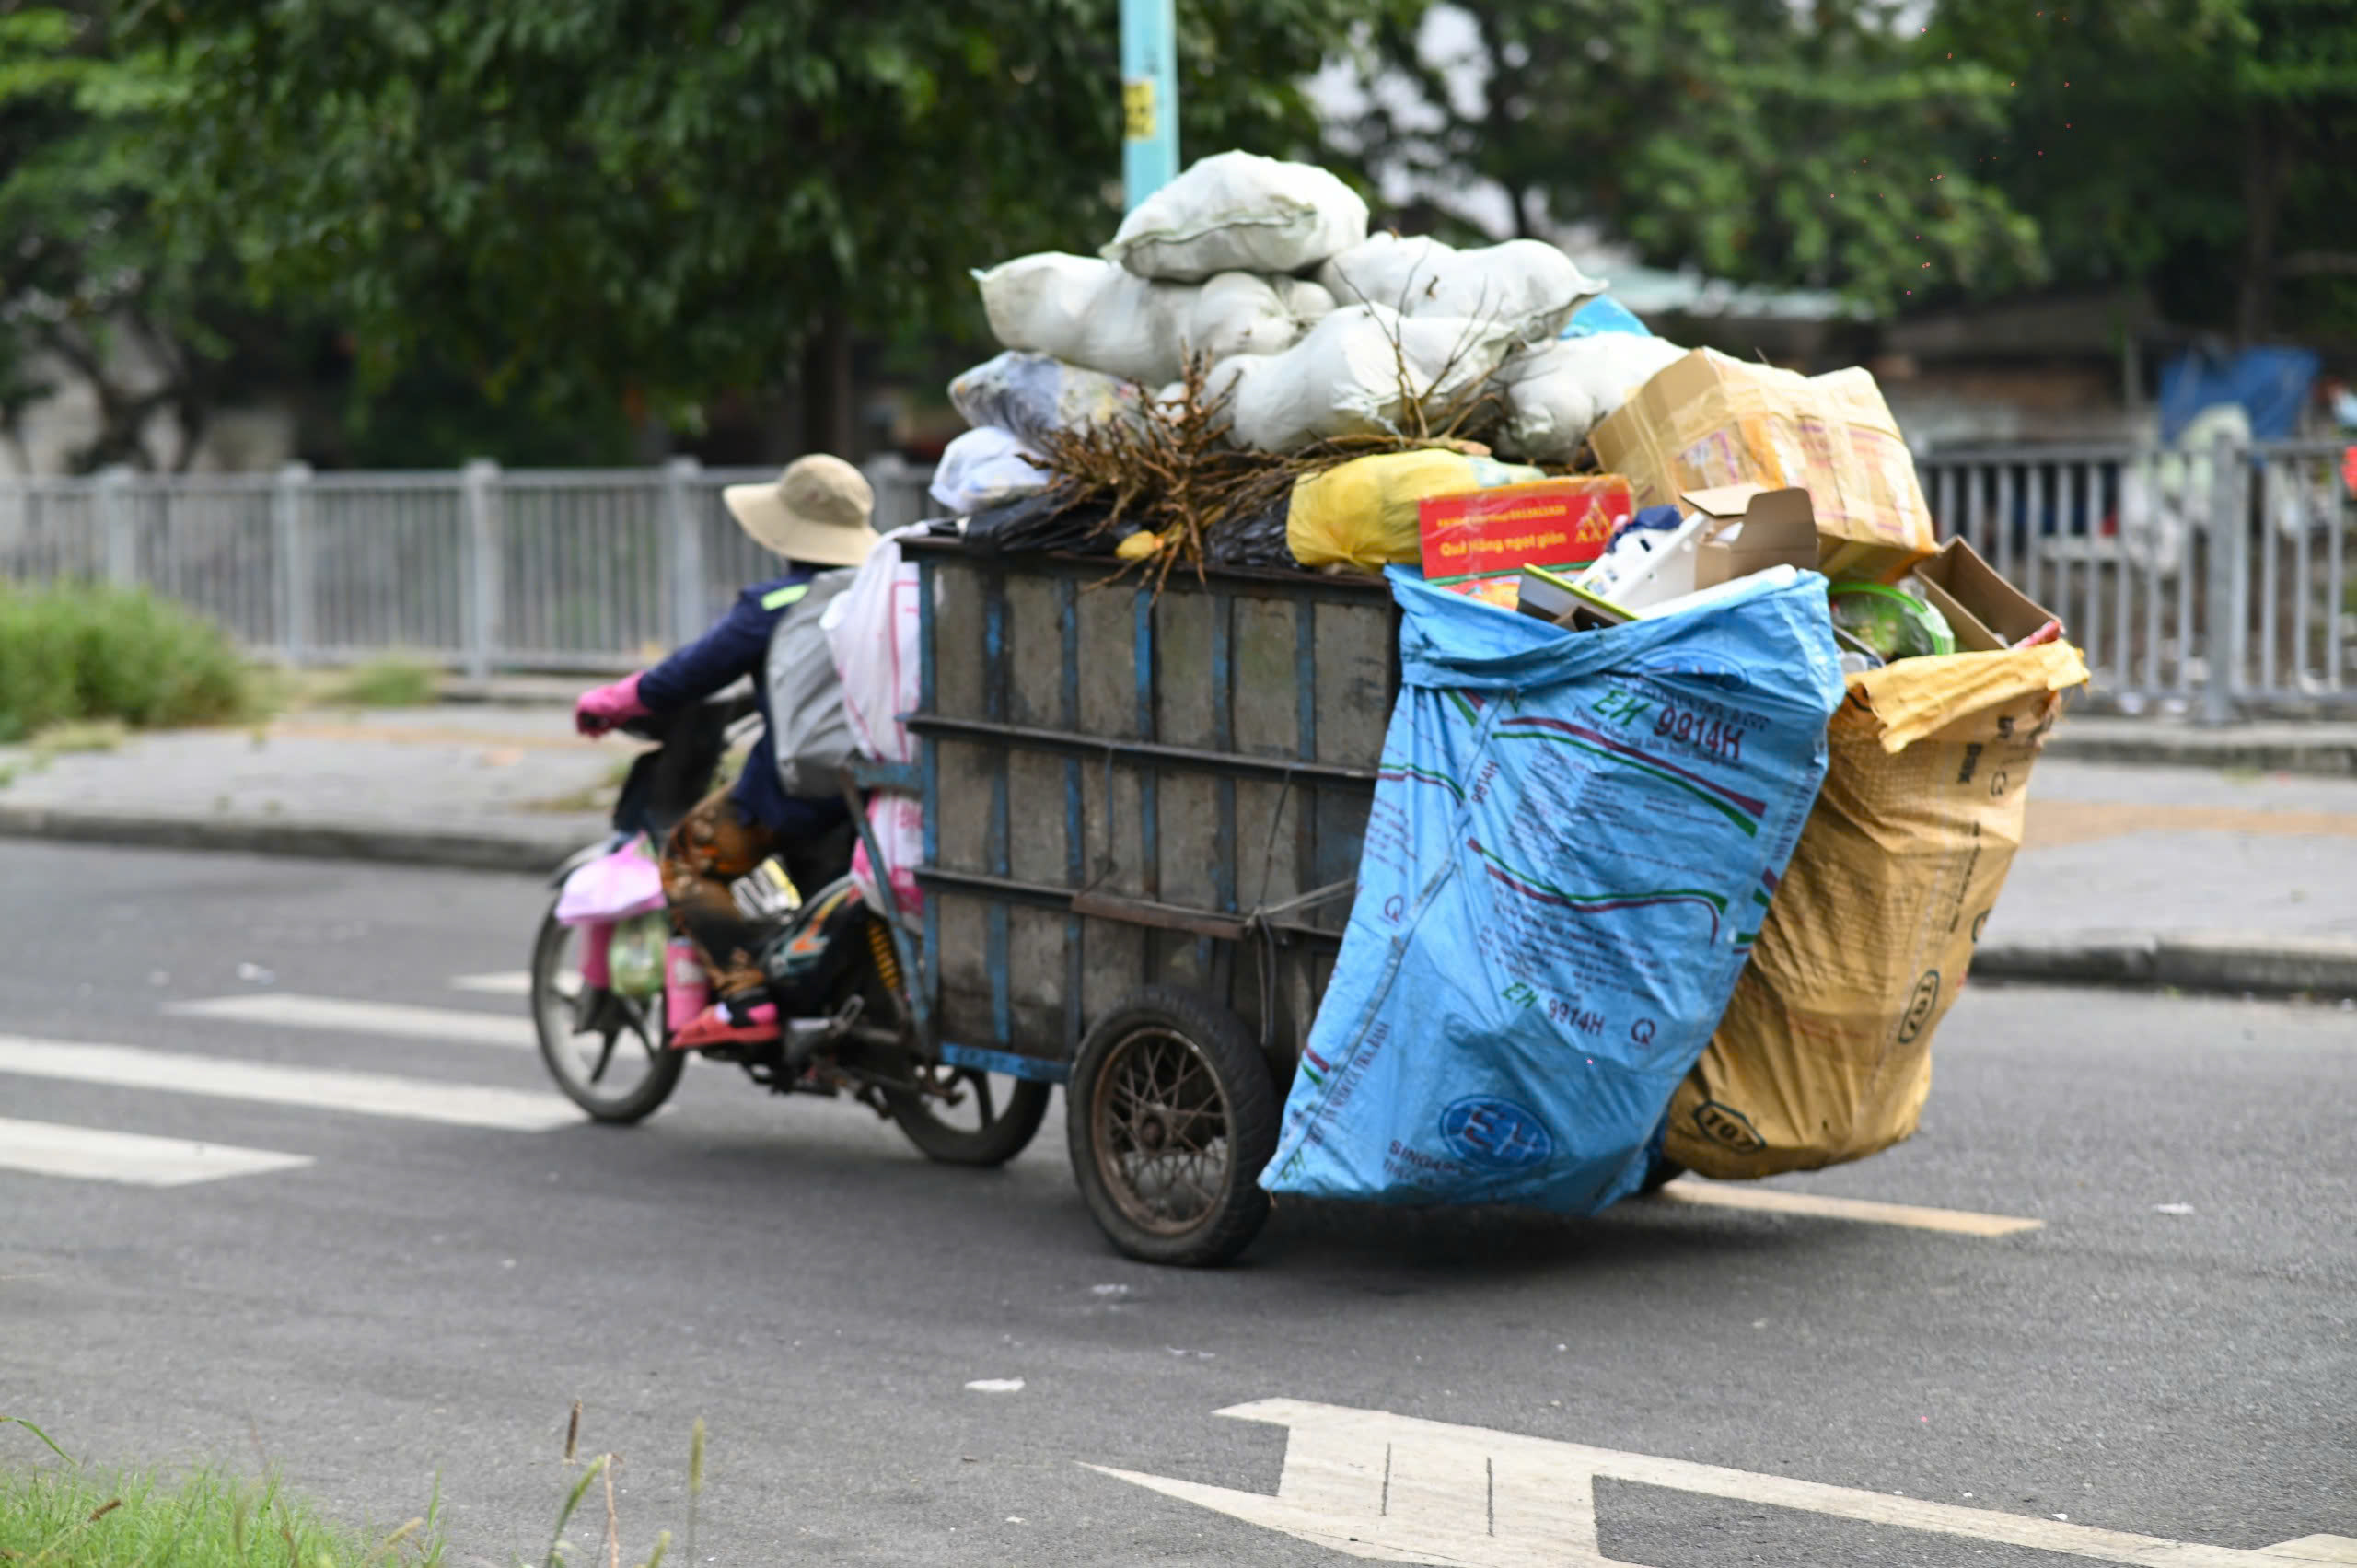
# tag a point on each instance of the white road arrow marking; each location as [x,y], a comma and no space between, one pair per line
[1395,1489]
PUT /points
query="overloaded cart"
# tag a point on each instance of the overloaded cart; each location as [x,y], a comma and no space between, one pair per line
[1143,820]
[1446,746]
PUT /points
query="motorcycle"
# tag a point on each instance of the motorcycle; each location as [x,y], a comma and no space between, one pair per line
[831,963]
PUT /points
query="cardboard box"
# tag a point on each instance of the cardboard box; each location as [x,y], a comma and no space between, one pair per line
[1707,421]
[1985,611]
[1478,541]
[1757,529]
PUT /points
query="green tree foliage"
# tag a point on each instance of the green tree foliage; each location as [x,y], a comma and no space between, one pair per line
[90,284]
[1758,141]
[2206,148]
[665,201]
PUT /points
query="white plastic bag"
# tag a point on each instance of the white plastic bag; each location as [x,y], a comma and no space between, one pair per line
[1034,395]
[1096,315]
[872,629]
[1239,212]
[1555,395]
[1306,302]
[1357,372]
[983,468]
[1528,285]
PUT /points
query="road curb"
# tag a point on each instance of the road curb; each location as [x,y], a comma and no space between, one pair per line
[2328,757]
[2260,965]
[372,843]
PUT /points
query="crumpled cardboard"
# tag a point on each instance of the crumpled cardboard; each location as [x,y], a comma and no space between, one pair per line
[1825,1052]
[1707,421]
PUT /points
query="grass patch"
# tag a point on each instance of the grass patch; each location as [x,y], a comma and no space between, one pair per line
[62,1515]
[387,683]
[63,1518]
[70,652]
[79,735]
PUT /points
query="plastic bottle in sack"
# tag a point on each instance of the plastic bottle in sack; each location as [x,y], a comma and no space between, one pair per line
[685,991]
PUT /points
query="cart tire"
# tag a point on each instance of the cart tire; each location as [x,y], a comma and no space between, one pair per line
[1172,1112]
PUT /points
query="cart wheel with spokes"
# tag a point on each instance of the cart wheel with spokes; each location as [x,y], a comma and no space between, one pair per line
[606,1054]
[1172,1112]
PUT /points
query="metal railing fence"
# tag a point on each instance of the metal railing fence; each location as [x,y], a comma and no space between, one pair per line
[2218,581]
[481,569]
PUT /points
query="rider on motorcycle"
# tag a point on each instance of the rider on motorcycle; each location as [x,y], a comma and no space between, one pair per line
[816,516]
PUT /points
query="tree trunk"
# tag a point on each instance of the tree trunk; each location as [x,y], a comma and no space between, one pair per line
[2264,170]
[829,421]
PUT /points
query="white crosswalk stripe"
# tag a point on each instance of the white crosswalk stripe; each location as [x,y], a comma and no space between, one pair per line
[458,1026]
[505,982]
[90,1153]
[359,1094]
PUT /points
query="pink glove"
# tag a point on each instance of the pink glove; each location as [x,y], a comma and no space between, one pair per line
[603,709]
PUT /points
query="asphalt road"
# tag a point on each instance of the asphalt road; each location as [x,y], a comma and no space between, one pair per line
[426,1299]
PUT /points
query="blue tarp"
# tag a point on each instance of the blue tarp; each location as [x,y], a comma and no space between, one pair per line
[1573,842]
[2269,383]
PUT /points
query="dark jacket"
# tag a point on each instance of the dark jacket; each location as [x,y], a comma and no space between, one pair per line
[739,645]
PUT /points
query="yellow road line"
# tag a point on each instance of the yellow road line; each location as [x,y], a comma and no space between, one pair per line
[1774,1200]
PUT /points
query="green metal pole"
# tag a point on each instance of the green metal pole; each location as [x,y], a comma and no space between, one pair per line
[1149,97]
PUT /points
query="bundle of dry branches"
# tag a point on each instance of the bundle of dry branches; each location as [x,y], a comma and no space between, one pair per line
[1174,487]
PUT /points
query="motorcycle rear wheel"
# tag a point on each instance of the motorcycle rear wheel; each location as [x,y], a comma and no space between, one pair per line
[620,1074]
[995,1119]
[963,1116]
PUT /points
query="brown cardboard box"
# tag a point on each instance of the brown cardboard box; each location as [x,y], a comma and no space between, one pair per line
[1824,1054]
[1757,529]
[1707,421]
[1985,611]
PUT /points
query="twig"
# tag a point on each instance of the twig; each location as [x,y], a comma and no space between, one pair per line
[613,1525]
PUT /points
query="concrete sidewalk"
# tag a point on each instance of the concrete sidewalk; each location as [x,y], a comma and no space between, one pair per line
[2210,878]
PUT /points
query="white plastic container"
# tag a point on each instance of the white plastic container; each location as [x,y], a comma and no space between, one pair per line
[1648,566]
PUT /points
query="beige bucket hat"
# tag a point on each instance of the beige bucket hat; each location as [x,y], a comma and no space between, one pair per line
[817,512]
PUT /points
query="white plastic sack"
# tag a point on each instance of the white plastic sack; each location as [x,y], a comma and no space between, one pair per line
[1239,212]
[1346,377]
[1034,396]
[1096,315]
[1306,302]
[897,821]
[872,629]
[1555,395]
[1528,285]
[983,468]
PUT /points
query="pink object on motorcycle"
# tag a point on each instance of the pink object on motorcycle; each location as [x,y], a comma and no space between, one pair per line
[609,706]
[613,887]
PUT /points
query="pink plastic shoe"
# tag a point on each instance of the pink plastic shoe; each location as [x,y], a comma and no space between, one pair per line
[719,1025]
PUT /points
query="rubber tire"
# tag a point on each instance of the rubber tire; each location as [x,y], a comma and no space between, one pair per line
[1008,1135]
[662,1075]
[1246,1081]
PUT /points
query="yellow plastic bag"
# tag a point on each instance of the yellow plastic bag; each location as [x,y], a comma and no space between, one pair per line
[1825,1052]
[1363,513]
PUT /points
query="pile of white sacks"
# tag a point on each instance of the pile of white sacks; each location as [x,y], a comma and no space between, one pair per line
[1312,327]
